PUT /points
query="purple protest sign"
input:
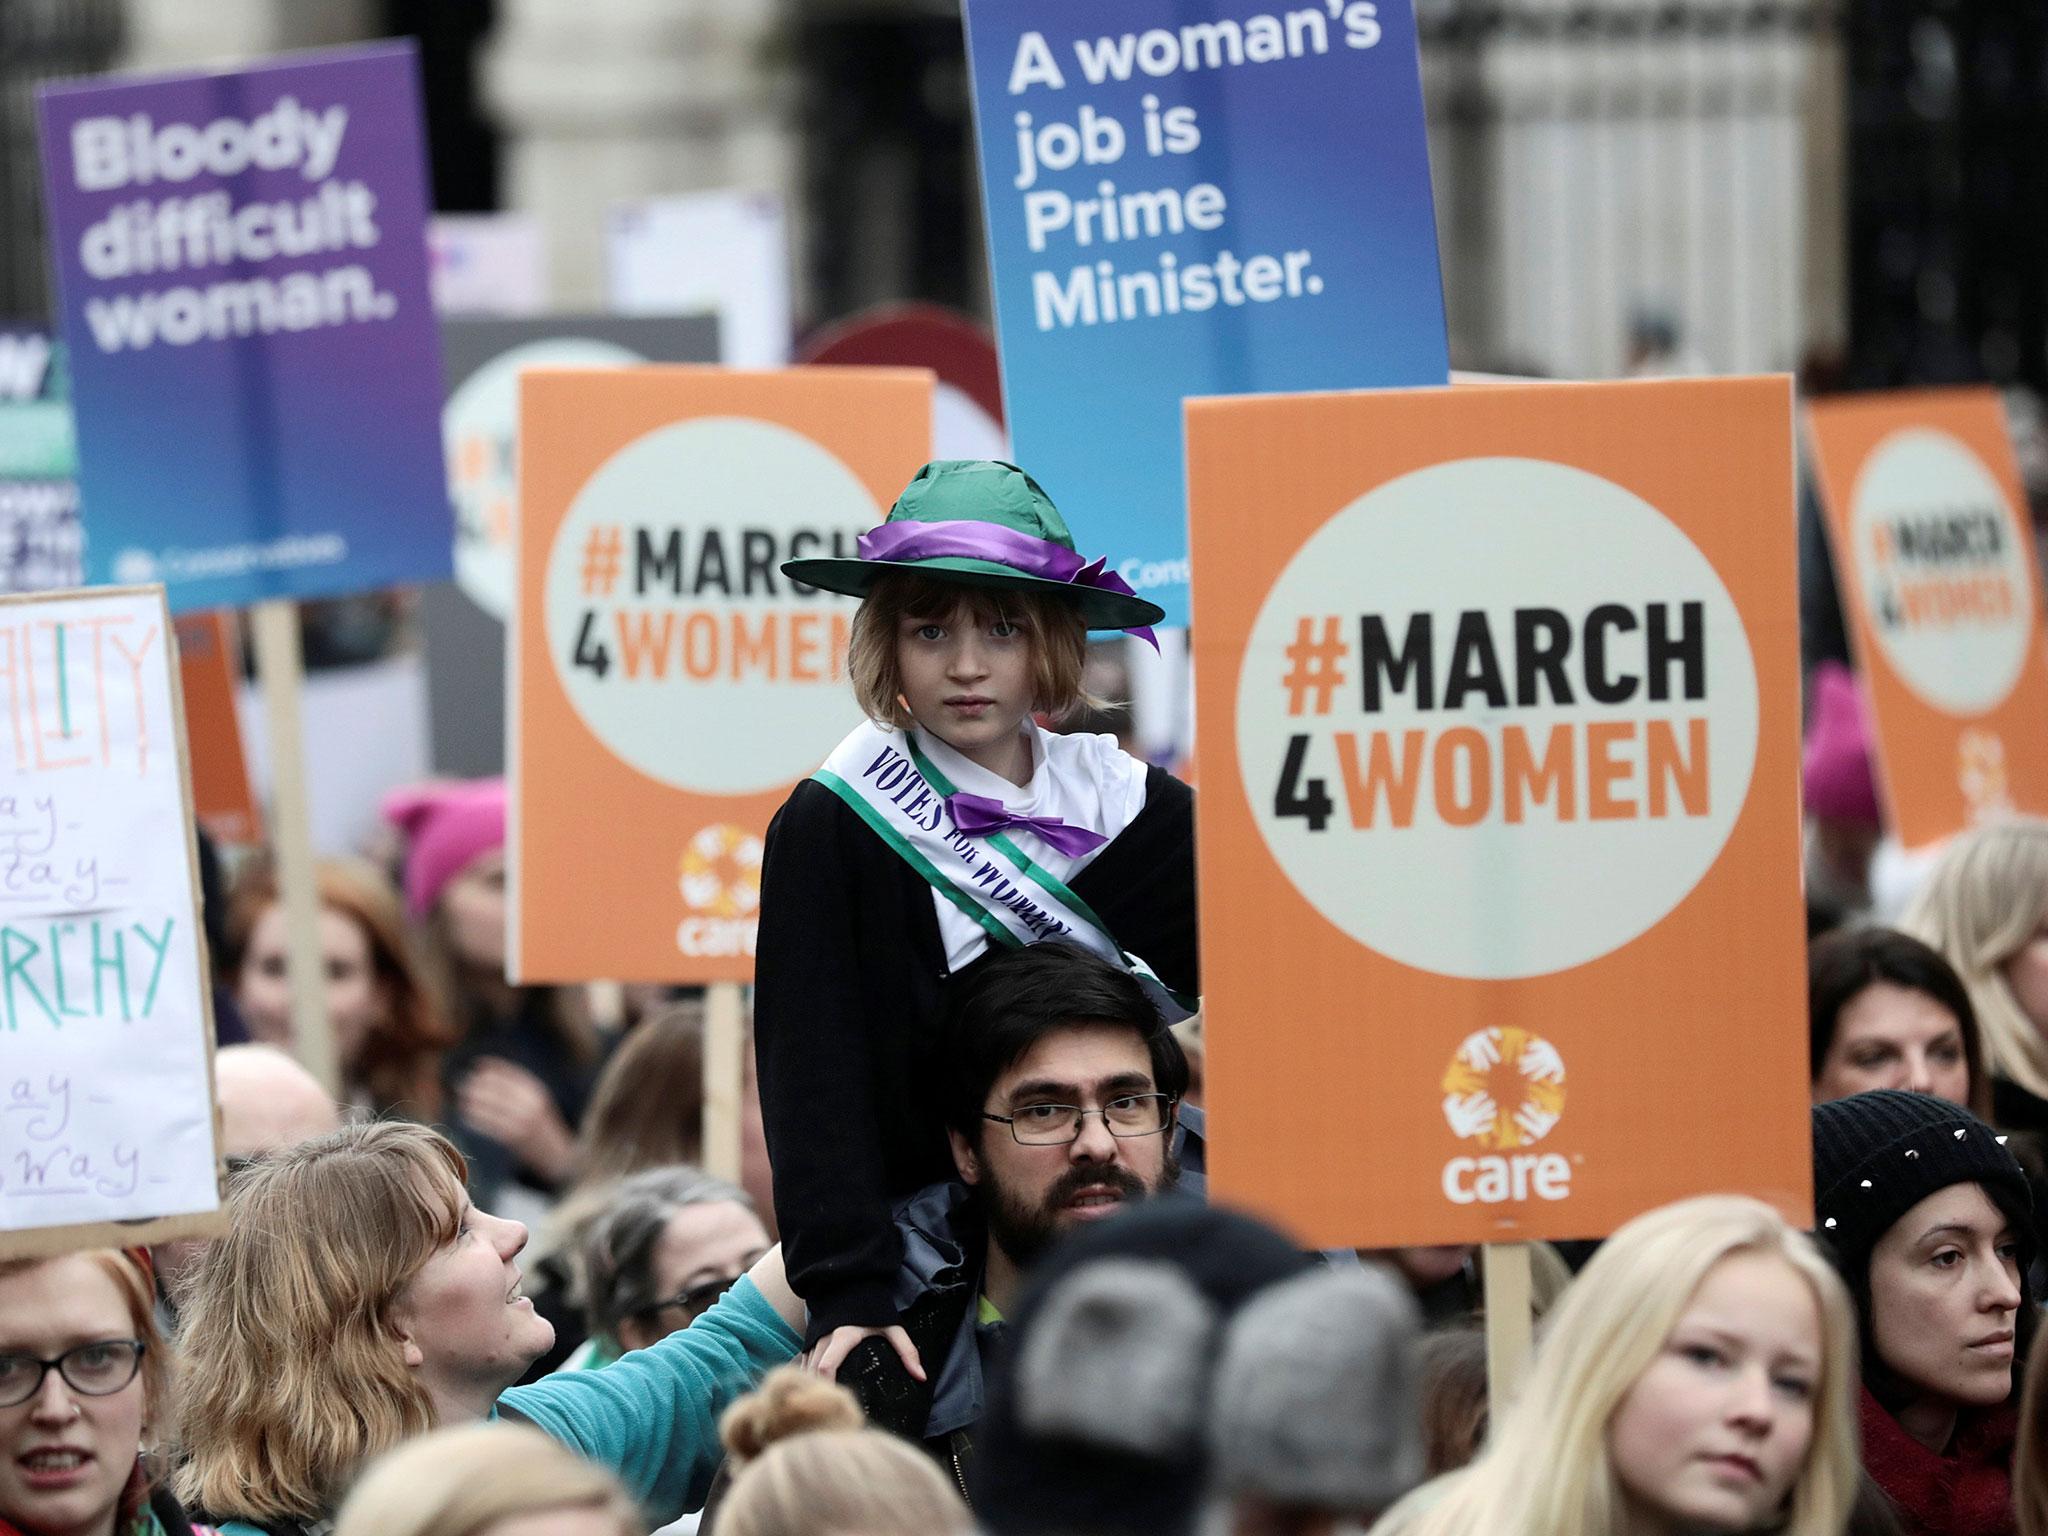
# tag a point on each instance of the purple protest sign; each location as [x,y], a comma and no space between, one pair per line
[242,264]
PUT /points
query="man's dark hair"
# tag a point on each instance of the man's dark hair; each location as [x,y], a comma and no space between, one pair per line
[1841,964]
[1010,999]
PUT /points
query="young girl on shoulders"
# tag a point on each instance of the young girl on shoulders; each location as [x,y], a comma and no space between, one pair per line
[947,821]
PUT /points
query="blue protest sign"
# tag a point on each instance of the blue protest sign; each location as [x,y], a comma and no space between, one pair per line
[40,543]
[255,364]
[1194,197]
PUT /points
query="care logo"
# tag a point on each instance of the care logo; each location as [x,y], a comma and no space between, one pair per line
[1504,1089]
[1943,570]
[719,878]
[1980,774]
[1487,677]
[666,607]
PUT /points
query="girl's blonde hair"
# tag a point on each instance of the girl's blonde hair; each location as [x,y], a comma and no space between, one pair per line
[1545,1470]
[459,1482]
[1058,637]
[806,1465]
[1986,898]
[294,1373]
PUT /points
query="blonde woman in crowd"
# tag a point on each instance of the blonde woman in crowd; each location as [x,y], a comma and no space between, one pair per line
[358,1300]
[1985,908]
[487,1480]
[807,1464]
[1698,1376]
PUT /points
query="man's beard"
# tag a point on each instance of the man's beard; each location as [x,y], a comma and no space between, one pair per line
[1024,1231]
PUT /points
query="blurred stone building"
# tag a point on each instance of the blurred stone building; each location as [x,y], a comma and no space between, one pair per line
[1621,184]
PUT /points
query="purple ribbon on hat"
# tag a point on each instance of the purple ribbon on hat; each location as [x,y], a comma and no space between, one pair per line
[978,815]
[962,539]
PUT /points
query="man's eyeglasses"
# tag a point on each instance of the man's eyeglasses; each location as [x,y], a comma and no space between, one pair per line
[99,1369]
[698,1299]
[1053,1125]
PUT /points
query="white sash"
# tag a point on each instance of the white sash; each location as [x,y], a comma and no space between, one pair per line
[892,786]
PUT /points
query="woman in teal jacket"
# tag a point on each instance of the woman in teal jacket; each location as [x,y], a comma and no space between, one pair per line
[358,1300]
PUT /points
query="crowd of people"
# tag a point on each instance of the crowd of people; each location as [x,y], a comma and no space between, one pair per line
[492,1292]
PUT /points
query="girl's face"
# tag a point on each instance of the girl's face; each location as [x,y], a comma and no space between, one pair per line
[1888,1036]
[1944,1294]
[967,681]
[467,1327]
[65,1456]
[355,1003]
[1713,1434]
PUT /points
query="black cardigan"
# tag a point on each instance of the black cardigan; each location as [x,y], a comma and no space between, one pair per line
[849,996]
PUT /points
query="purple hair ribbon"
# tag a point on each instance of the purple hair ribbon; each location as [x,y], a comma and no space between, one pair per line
[1022,552]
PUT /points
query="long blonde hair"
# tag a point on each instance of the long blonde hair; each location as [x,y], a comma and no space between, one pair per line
[294,1374]
[1986,898]
[1545,1470]
[458,1482]
[808,1466]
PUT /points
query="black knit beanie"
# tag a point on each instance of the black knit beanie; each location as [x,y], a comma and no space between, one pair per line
[1877,1155]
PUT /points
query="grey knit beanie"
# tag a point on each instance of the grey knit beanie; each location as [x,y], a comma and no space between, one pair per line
[1316,1399]
[1115,1358]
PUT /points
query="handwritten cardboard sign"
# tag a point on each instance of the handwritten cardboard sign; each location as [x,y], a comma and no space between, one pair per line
[106,1100]
[1934,558]
[1500,729]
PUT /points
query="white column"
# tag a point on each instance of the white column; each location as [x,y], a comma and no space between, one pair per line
[1665,170]
[632,98]
[1824,285]
[181,34]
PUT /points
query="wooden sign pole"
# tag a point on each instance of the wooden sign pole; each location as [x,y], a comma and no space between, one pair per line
[1504,1272]
[725,1031]
[280,668]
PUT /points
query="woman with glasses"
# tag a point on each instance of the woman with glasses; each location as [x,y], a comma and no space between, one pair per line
[84,1391]
[359,1300]
[672,1241]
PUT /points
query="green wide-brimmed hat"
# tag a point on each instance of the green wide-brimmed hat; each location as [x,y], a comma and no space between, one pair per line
[983,523]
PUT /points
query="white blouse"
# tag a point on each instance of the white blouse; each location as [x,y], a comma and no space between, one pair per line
[1086,781]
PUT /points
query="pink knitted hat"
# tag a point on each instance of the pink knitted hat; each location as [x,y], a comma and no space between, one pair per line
[1839,781]
[446,826]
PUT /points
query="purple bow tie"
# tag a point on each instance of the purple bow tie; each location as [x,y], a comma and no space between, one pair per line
[977,815]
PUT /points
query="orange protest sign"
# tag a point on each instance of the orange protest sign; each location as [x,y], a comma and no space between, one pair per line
[1499,704]
[670,684]
[1934,560]
[208,668]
